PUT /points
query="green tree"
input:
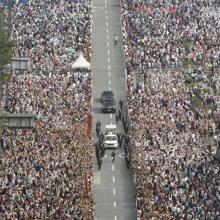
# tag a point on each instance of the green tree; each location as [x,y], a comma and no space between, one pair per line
[5,58]
[5,43]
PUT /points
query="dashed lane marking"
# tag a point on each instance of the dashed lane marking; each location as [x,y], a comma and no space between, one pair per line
[113,179]
[114,191]
[115,204]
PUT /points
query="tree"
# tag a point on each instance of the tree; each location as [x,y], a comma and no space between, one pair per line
[5,43]
[5,51]
[5,58]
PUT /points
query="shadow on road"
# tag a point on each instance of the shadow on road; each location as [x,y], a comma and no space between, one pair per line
[98,100]
[97,110]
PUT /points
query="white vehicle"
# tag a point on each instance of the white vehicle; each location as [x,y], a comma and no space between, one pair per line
[111,139]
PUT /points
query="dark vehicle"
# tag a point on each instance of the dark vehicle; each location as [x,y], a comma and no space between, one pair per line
[108,105]
[108,102]
[106,95]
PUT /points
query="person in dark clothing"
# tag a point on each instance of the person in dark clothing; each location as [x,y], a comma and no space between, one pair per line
[101,137]
[97,131]
[126,129]
[97,152]
[98,124]
[98,127]
[127,159]
[119,140]
[116,117]
[119,114]
[102,152]
[126,149]
[99,163]
[113,155]
[124,122]
[121,104]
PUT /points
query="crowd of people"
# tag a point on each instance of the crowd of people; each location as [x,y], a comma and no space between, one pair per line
[172,61]
[170,33]
[46,171]
[52,33]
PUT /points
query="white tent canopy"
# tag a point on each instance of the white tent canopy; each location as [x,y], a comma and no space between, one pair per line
[81,63]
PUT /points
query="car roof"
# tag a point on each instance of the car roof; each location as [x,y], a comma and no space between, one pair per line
[111,135]
[110,126]
[108,100]
[107,92]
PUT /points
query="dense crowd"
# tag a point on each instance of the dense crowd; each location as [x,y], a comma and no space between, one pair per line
[165,33]
[52,33]
[46,171]
[172,61]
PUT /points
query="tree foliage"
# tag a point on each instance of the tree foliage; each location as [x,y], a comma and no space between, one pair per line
[5,43]
[5,58]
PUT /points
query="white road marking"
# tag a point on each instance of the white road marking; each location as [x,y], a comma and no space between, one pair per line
[114,191]
[106,17]
[113,179]
[109,82]
[110,88]
[106,12]
[115,217]
[109,67]
[107,37]
[110,116]
[115,204]
[122,155]
[97,7]
[107,24]
[113,167]
[109,74]
[97,178]
[107,30]
[108,60]
[108,50]
[108,44]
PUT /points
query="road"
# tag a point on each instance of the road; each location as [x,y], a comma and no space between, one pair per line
[113,184]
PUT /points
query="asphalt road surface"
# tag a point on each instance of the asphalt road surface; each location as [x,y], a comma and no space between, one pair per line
[113,184]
